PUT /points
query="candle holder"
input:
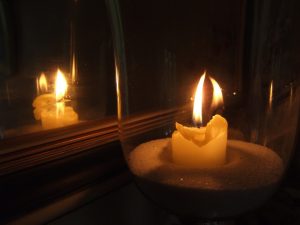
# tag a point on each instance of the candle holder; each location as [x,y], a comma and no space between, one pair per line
[208,102]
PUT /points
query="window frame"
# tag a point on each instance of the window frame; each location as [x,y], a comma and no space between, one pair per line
[51,173]
[35,175]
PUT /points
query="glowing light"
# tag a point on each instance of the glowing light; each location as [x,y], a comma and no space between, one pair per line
[217,95]
[42,84]
[117,76]
[61,86]
[73,71]
[197,110]
[271,95]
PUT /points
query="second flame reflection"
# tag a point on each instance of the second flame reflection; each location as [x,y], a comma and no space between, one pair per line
[41,84]
[217,95]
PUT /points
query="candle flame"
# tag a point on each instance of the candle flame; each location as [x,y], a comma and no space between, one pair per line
[43,84]
[198,98]
[217,94]
[197,110]
[61,85]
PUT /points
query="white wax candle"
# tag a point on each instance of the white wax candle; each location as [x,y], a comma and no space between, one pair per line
[50,108]
[43,102]
[202,147]
[53,114]
[51,119]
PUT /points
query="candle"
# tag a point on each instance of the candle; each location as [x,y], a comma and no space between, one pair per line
[247,179]
[43,102]
[200,147]
[199,165]
[205,146]
[50,108]
[53,119]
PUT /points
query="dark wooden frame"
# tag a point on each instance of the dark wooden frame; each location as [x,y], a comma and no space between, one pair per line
[42,169]
[35,149]
[35,176]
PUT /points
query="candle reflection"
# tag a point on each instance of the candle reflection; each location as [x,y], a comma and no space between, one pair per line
[217,94]
[51,108]
[43,85]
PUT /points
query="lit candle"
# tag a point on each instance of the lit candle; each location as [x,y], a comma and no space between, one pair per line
[50,108]
[205,146]
[199,165]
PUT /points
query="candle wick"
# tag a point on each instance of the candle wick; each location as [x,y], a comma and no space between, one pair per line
[60,100]
[197,124]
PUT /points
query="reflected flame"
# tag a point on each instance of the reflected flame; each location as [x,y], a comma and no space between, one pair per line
[197,110]
[61,85]
[43,85]
[117,76]
[73,71]
[37,86]
[271,95]
[217,95]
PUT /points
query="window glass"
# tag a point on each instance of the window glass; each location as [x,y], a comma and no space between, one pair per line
[56,65]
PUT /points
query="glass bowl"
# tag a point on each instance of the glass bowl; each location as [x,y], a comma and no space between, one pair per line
[208,102]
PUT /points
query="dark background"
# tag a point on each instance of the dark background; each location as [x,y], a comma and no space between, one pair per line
[234,39]
[42,36]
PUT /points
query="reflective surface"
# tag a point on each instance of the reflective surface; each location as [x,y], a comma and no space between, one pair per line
[162,50]
[40,38]
[283,208]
